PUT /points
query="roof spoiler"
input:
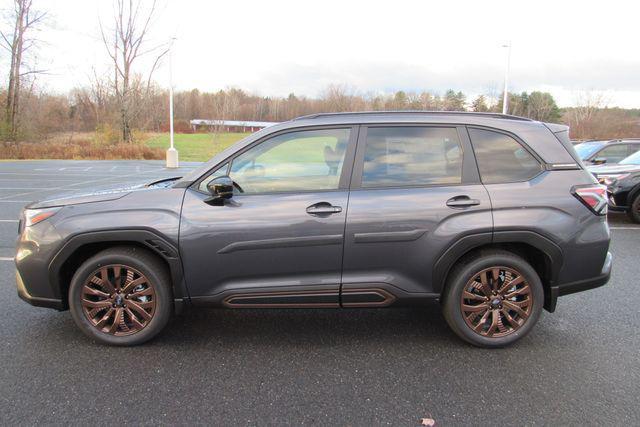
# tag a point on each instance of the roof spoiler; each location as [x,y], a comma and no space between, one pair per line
[561,132]
[557,128]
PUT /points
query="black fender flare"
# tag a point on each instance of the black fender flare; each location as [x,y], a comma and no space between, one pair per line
[155,242]
[470,242]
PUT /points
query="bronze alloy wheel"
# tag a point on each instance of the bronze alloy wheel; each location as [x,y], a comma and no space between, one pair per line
[496,302]
[118,300]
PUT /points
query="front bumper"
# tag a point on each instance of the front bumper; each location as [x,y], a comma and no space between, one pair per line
[581,285]
[36,301]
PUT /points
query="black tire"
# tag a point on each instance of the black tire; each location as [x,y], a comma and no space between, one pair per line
[469,268]
[145,263]
[634,209]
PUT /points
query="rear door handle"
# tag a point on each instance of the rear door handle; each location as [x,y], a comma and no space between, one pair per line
[323,208]
[462,202]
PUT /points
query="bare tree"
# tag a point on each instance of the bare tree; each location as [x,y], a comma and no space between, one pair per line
[24,19]
[127,44]
[582,119]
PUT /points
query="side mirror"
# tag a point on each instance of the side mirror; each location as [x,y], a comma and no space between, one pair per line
[599,161]
[221,189]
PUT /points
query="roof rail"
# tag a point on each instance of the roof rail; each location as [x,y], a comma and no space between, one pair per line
[444,113]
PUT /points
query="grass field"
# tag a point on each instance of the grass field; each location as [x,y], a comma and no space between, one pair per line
[197,146]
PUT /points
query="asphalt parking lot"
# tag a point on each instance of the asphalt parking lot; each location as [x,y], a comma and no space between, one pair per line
[579,366]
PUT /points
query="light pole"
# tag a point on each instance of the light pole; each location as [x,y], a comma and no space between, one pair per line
[172,153]
[505,94]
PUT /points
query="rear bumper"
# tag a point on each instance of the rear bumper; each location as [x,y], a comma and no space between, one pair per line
[36,301]
[581,285]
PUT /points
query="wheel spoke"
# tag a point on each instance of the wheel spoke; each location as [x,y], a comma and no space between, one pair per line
[104,318]
[134,318]
[495,274]
[474,308]
[521,291]
[517,309]
[142,293]
[104,280]
[131,285]
[116,321]
[116,277]
[475,297]
[95,292]
[484,283]
[482,321]
[96,304]
[510,284]
[139,310]
[494,322]
[514,323]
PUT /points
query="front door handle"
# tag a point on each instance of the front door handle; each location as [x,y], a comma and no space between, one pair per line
[462,202]
[323,208]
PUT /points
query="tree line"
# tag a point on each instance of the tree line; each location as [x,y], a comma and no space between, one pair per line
[126,99]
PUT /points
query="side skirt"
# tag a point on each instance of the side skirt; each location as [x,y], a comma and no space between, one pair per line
[352,296]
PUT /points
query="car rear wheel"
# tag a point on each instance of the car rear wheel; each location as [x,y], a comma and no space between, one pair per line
[634,209]
[121,296]
[493,299]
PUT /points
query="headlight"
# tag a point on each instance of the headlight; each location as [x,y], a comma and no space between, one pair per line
[34,216]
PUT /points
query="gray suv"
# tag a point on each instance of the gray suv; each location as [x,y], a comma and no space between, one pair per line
[492,215]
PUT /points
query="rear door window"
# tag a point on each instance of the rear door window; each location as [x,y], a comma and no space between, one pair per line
[409,156]
[501,158]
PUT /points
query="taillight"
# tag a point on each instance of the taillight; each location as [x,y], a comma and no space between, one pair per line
[592,196]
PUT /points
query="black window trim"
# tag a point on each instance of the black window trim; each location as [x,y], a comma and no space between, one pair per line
[470,174]
[345,173]
[544,166]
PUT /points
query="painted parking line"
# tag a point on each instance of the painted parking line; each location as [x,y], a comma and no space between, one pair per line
[5,258]
[624,228]
[8,220]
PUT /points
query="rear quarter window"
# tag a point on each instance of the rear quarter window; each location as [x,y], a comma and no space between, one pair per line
[501,158]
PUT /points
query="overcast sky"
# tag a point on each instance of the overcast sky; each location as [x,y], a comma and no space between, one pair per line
[278,47]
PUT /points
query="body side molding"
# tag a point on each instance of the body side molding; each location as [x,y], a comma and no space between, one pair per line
[285,242]
[389,236]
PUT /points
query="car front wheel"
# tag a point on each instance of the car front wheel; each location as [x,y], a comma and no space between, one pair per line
[493,299]
[121,296]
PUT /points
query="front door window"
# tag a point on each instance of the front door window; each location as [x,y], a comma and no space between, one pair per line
[293,162]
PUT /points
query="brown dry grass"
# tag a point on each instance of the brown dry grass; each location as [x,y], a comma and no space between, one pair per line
[78,149]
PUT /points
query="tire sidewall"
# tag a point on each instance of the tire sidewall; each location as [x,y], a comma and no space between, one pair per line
[454,312]
[140,263]
[634,209]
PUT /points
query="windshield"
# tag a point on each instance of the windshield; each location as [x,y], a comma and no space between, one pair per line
[633,159]
[586,149]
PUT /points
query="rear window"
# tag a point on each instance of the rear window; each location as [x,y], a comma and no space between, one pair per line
[405,156]
[501,158]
